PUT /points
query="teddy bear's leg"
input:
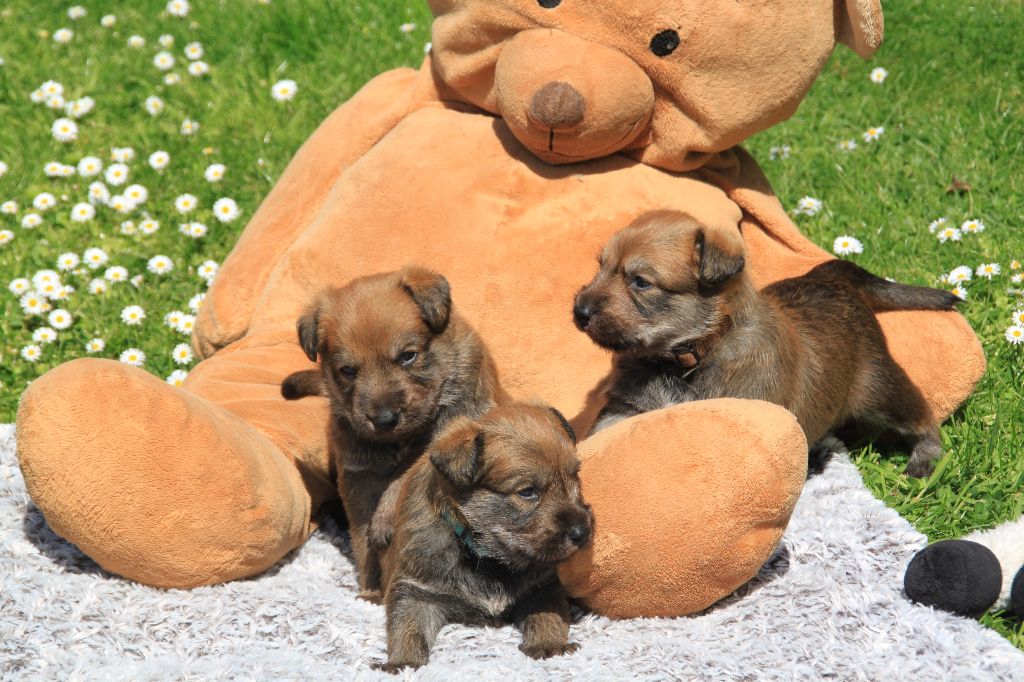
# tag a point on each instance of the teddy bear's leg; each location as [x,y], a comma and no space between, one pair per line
[938,350]
[174,487]
[656,481]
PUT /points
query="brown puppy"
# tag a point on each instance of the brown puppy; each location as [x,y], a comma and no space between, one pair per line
[672,300]
[397,364]
[482,520]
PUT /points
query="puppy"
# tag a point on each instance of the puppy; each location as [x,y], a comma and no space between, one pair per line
[482,519]
[672,300]
[397,365]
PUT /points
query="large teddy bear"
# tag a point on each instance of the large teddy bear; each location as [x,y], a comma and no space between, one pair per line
[533,131]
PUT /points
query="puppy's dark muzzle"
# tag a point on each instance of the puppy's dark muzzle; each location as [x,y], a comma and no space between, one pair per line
[582,313]
[579,535]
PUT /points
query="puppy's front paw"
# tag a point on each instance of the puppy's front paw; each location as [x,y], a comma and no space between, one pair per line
[395,668]
[540,651]
[372,596]
[920,469]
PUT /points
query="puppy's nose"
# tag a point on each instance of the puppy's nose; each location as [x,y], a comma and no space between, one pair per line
[579,534]
[385,419]
[558,105]
[582,312]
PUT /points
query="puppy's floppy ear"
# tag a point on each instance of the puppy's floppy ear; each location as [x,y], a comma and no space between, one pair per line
[308,328]
[859,25]
[431,293]
[565,424]
[455,453]
[719,254]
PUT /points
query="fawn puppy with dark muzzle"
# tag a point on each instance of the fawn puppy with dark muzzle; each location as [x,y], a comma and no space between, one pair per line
[397,364]
[673,301]
[481,522]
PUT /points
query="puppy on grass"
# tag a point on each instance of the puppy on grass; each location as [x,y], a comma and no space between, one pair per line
[481,521]
[397,365]
[672,300]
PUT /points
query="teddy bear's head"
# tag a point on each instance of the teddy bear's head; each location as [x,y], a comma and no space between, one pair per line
[670,82]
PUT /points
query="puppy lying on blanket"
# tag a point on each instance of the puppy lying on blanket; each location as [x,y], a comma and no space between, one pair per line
[672,300]
[397,365]
[482,519]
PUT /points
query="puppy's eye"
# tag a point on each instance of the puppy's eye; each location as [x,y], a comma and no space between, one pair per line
[665,43]
[640,283]
[528,493]
[348,370]
[407,358]
[549,4]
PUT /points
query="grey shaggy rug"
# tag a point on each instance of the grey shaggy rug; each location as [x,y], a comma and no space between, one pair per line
[829,605]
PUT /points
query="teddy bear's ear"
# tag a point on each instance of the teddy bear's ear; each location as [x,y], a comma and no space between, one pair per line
[859,25]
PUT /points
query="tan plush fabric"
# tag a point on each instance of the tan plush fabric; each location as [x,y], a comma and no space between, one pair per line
[184,487]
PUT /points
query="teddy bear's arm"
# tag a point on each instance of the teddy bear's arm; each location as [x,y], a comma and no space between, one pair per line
[348,133]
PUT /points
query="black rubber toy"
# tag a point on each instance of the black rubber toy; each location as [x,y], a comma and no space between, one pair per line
[958,576]
[1017,595]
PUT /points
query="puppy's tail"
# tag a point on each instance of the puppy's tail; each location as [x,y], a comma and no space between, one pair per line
[301,384]
[882,295]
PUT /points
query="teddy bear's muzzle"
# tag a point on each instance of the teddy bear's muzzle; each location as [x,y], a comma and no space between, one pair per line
[568,99]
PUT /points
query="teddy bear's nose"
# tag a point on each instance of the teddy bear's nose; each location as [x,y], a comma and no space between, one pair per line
[558,106]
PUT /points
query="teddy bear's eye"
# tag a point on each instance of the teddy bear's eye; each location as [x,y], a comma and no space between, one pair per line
[549,4]
[665,43]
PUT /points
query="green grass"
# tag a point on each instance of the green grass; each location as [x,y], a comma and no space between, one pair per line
[953,104]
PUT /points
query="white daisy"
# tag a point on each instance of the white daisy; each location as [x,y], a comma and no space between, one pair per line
[1018,316]
[3,169]
[55,102]
[960,291]
[936,224]
[196,301]
[42,277]
[19,286]
[127,228]
[1015,334]
[182,354]
[76,12]
[284,91]
[98,193]
[777,153]
[185,203]
[164,61]
[178,8]
[53,169]
[945,234]
[166,40]
[173,318]
[846,245]
[115,274]
[172,79]
[149,226]
[1015,264]
[133,315]
[44,335]
[137,281]
[89,166]
[64,130]
[63,35]
[95,257]
[1017,278]
[68,261]
[214,172]
[198,68]
[137,194]
[9,207]
[872,134]
[79,107]
[988,270]
[972,226]
[407,28]
[133,357]
[33,303]
[122,154]
[6,236]
[194,229]
[225,210]
[60,319]
[959,274]
[208,270]
[95,345]
[83,212]
[97,286]
[154,105]
[160,265]
[847,145]
[159,160]
[808,206]
[44,201]
[189,127]
[116,174]
[186,324]
[32,353]
[136,41]
[66,171]
[177,377]
[108,21]
[51,87]
[63,293]
[31,220]
[121,203]
[194,50]
[878,75]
